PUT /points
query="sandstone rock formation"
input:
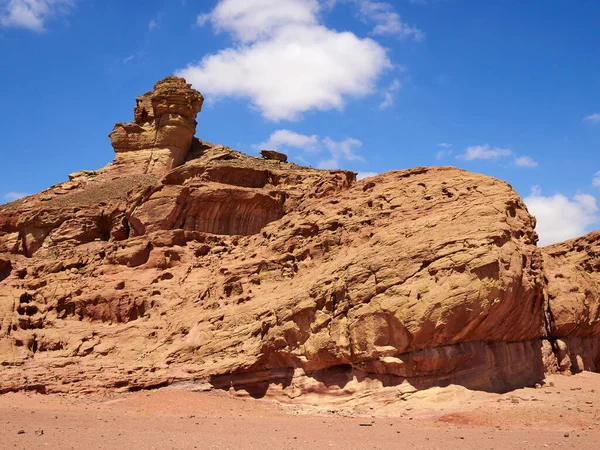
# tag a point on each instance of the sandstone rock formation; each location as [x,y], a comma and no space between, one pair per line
[161,134]
[573,276]
[193,262]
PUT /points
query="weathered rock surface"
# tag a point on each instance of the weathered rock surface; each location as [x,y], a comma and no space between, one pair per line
[261,275]
[573,274]
[161,134]
[273,155]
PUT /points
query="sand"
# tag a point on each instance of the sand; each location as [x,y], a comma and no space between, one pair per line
[564,413]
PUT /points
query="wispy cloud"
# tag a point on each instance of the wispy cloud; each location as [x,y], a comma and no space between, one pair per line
[290,139]
[445,152]
[526,161]
[389,95]
[387,21]
[363,175]
[345,150]
[560,218]
[592,118]
[32,14]
[155,22]
[485,152]
[596,180]
[338,151]
[12,196]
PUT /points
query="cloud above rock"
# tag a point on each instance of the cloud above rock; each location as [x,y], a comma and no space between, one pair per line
[336,152]
[284,60]
[560,218]
[485,152]
[12,196]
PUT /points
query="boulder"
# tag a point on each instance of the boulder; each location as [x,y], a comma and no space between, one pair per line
[273,155]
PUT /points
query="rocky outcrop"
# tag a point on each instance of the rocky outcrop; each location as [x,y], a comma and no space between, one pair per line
[269,278]
[385,278]
[160,136]
[573,276]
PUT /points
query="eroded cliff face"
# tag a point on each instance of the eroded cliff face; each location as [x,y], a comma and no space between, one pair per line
[270,278]
[573,276]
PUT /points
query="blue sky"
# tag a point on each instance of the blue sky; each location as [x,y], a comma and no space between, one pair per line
[501,87]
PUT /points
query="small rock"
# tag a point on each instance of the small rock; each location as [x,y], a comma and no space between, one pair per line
[39,432]
[21,432]
[273,155]
[566,434]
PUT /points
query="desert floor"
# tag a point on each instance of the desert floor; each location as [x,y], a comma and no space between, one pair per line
[565,413]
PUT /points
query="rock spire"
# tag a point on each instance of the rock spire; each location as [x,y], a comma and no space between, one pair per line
[161,134]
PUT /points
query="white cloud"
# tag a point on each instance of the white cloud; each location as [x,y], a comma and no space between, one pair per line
[31,14]
[389,95]
[363,175]
[442,154]
[560,218]
[203,19]
[484,152]
[286,138]
[446,151]
[596,180]
[344,149]
[387,21]
[12,196]
[329,164]
[339,151]
[152,24]
[283,60]
[592,118]
[526,161]
[252,20]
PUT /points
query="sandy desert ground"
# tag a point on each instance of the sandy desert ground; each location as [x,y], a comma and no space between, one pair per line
[564,413]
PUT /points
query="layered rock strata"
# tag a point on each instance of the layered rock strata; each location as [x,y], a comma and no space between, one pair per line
[572,270]
[161,134]
[261,276]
